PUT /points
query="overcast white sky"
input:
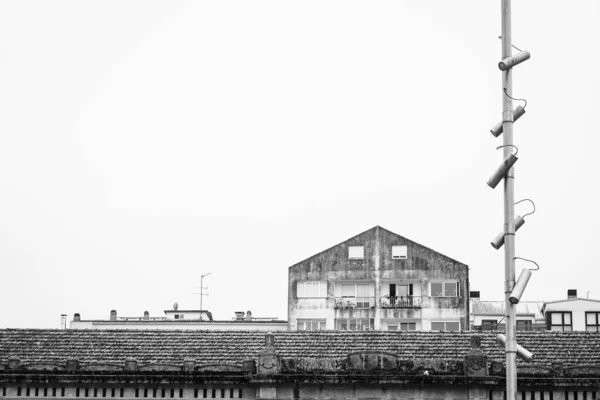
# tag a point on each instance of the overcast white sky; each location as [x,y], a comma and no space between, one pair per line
[144,143]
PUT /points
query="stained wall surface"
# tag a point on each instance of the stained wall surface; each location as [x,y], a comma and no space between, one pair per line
[398,291]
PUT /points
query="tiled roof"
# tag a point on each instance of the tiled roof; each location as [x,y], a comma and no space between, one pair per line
[206,347]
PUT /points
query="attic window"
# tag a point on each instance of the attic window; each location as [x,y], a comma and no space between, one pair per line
[356,252]
[399,252]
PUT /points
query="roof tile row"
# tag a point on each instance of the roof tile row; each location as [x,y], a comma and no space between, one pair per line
[233,347]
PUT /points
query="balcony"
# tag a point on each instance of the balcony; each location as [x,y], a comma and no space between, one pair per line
[354,303]
[401,302]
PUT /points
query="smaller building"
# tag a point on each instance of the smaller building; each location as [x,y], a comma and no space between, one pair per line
[182,319]
[572,314]
[489,315]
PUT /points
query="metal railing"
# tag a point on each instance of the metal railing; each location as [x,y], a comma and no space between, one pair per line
[401,302]
[350,303]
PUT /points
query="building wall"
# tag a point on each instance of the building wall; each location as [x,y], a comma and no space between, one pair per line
[421,267]
[230,390]
[213,326]
[578,309]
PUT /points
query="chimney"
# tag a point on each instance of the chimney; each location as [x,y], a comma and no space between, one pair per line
[146,316]
[77,317]
[248,315]
[113,315]
[474,294]
[572,294]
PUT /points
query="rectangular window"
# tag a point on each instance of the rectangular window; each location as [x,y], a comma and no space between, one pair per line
[358,290]
[592,321]
[445,326]
[399,252]
[444,289]
[489,325]
[356,252]
[408,326]
[354,324]
[176,316]
[392,327]
[560,321]
[311,324]
[356,295]
[524,325]
[311,289]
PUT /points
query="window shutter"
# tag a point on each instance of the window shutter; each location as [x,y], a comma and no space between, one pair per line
[548,320]
[410,289]
[300,289]
[323,289]
[457,289]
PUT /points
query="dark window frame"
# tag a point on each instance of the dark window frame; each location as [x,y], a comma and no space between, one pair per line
[562,325]
[526,325]
[596,325]
[492,322]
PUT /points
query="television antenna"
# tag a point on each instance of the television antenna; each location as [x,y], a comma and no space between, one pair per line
[203,289]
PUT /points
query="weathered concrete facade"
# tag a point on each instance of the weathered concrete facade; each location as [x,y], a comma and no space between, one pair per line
[378,280]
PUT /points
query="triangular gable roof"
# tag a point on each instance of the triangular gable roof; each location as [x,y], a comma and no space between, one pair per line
[367,231]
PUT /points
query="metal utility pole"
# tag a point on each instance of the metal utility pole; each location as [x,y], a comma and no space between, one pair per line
[509,208]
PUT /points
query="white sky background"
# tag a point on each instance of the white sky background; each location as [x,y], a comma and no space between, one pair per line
[145,143]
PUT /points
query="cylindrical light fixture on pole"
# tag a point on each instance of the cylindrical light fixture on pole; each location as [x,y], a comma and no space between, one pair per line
[511,61]
[502,170]
[517,292]
[517,113]
[522,353]
[499,240]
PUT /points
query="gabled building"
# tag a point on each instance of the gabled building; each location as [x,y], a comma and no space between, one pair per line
[379,280]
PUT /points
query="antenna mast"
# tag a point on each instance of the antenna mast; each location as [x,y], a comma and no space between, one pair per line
[203,288]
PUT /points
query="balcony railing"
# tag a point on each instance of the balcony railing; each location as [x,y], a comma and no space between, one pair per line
[401,302]
[350,303]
